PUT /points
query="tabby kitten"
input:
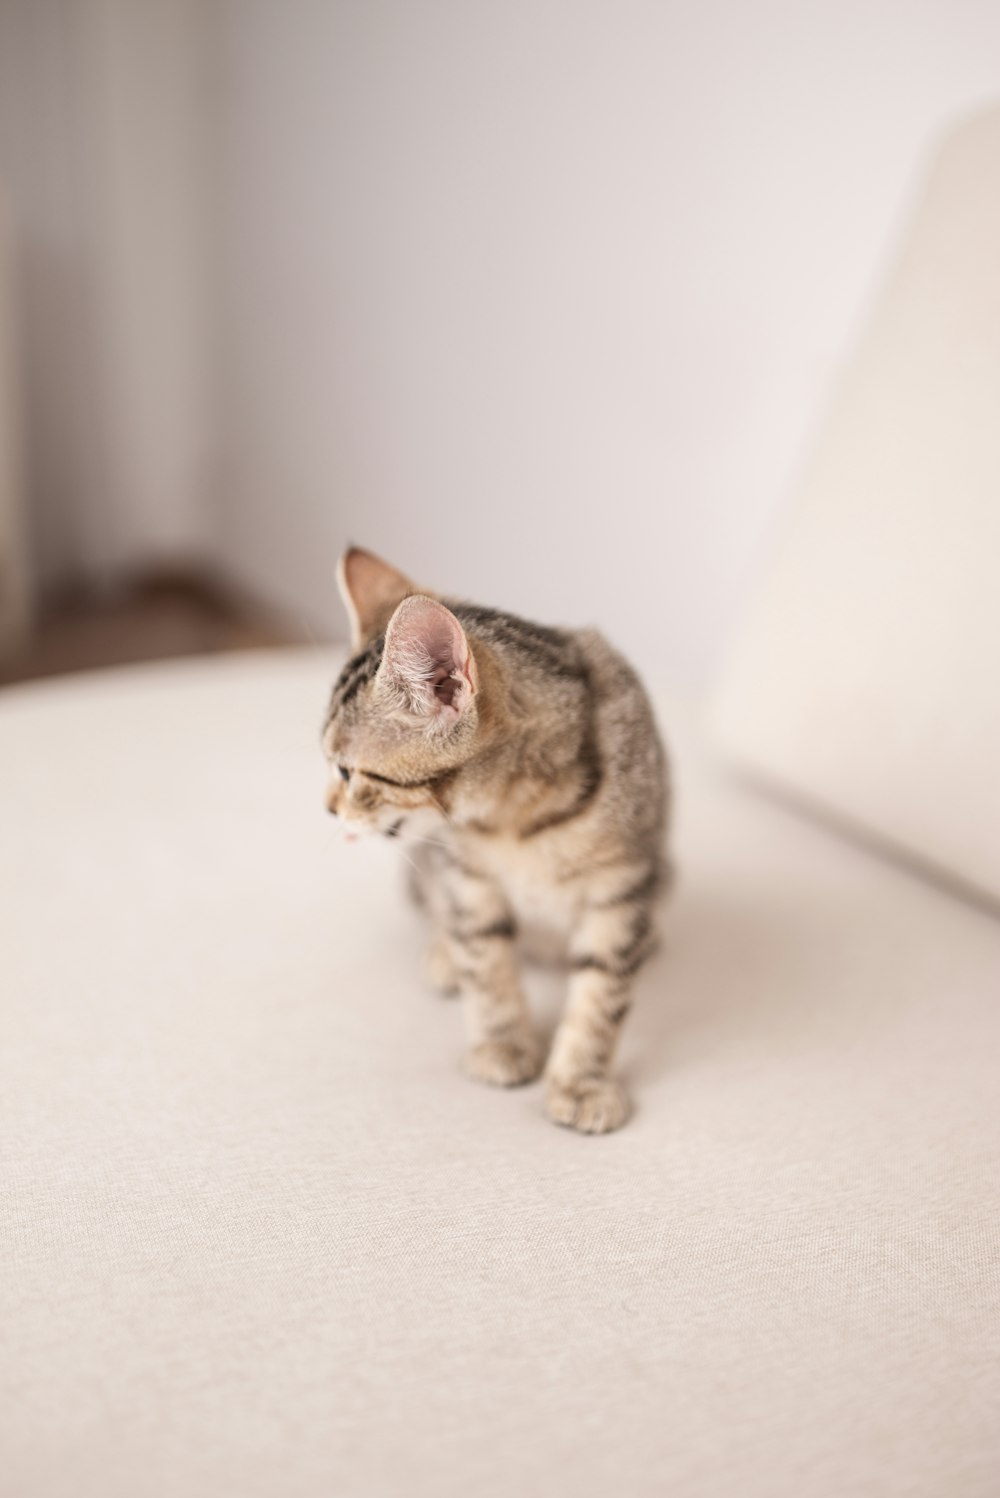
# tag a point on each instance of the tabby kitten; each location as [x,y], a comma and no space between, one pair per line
[523,765]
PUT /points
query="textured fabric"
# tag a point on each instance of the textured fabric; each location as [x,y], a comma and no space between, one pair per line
[261,1238]
[868,675]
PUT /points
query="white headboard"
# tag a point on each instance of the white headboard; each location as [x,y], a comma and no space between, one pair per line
[867,679]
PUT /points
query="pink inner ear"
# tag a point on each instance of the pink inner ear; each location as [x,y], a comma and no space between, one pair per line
[427,653]
[446,687]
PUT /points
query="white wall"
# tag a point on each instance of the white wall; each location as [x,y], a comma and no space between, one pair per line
[15,577]
[543,299]
[104,162]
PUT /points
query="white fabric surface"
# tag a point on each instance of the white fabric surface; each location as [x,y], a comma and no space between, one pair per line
[867,677]
[262,1238]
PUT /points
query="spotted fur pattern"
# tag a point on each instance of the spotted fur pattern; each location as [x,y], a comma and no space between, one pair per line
[523,766]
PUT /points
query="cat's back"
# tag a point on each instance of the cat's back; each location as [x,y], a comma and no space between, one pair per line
[635,772]
[567,678]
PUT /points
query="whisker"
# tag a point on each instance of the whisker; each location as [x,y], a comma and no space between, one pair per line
[431,842]
[412,862]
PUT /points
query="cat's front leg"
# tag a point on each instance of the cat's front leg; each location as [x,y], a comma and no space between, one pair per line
[608,947]
[480,933]
[427,870]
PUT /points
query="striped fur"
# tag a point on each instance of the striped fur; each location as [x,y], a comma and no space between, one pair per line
[537,792]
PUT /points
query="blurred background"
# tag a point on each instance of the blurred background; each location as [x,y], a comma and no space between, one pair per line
[541,301]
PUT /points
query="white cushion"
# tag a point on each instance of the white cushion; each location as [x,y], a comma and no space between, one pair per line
[262,1238]
[867,678]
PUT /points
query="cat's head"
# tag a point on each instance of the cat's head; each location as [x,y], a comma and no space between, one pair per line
[404,711]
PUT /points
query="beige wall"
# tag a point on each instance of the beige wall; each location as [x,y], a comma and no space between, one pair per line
[104,127]
[15,599]
[543,299]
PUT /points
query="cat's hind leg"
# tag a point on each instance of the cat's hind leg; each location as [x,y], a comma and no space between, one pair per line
[439,967]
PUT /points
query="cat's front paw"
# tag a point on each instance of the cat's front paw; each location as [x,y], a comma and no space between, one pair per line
[505,1062]
[591,1105]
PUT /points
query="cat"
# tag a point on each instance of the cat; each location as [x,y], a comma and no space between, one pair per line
[523,767]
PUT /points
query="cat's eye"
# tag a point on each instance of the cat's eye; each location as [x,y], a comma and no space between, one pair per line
[345,773]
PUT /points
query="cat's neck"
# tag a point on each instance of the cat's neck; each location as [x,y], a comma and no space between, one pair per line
[533,764]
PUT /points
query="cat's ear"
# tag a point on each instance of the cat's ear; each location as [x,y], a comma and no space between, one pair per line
[371,590]
[428,661]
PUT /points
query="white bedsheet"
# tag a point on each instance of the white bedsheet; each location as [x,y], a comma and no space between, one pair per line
[262,1238]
